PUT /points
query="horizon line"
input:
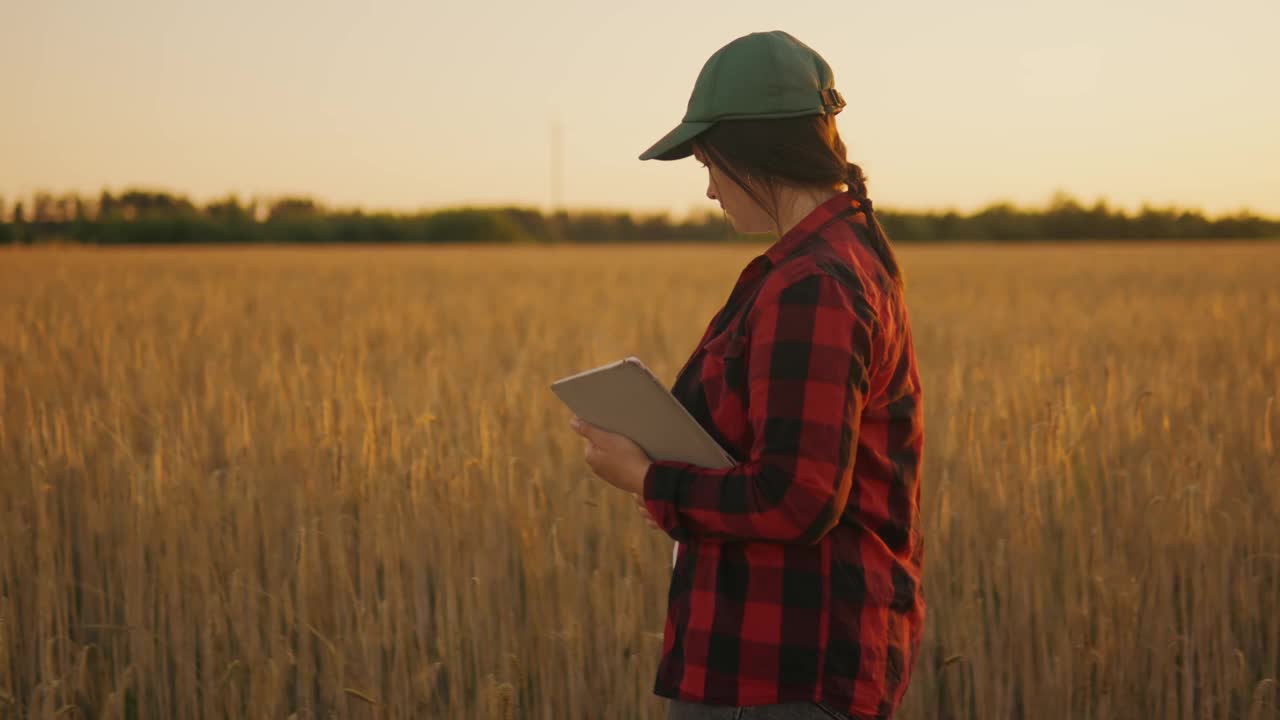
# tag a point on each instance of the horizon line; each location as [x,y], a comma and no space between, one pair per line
[9,202]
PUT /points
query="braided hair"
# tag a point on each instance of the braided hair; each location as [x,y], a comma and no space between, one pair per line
[879,240]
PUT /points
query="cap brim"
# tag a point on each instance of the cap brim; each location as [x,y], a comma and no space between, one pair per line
[675,144]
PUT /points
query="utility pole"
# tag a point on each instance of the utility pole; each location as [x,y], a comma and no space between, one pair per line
[557,167]
[555,225]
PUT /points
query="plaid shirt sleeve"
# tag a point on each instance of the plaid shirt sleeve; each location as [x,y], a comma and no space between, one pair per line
[807,363]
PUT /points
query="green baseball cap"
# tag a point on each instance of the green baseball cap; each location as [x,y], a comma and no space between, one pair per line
[761,75]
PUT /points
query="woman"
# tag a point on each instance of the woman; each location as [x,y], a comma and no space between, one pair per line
[796,590]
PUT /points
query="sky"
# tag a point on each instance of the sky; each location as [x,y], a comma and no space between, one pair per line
[405,106]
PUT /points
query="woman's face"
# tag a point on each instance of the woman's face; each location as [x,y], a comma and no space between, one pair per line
[745,215]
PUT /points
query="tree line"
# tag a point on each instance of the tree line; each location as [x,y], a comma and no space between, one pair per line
[146,217]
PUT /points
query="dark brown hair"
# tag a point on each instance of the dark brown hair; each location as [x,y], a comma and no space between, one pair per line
[803,151]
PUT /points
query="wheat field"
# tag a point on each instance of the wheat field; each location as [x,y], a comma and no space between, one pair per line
[312,483]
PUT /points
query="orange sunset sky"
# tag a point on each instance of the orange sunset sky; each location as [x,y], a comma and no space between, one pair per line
[415,105]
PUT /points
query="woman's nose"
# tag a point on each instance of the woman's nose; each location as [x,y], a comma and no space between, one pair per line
[711,193]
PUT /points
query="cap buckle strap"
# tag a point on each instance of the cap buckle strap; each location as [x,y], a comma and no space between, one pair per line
[832,101]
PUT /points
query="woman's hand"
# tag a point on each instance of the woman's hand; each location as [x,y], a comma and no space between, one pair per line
[613,458]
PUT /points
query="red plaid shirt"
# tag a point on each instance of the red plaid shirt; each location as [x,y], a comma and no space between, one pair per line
[798,574]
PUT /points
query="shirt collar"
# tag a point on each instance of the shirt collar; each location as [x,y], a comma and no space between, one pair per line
[842,203]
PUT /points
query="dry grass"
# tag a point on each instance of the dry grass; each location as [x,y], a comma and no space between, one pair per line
[334,483]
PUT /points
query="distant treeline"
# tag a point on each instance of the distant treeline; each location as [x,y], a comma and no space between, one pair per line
[149,217]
